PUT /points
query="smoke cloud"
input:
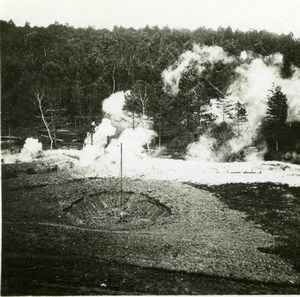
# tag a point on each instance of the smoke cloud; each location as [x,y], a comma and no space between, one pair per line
[114,105]
[202,150]
[115,128]
[102,146]
[92,151]
[199,57]
[255,76]
[32,149]
[252,86]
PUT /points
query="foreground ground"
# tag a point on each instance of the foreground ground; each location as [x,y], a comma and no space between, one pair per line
[67,234]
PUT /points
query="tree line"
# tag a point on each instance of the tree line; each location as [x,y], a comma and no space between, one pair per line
[76,69]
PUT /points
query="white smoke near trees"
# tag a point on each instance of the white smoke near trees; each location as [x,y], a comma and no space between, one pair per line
[256,79]
[114,105]
[199,57]
[252,86]
[31,150]
[115,128]
[243,55]
[255,76]
[223,110]
[291,87]
[202,150]
[96,148]
[133,141]
[102,146]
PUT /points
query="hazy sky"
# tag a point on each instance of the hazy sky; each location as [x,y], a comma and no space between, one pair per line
[280,16]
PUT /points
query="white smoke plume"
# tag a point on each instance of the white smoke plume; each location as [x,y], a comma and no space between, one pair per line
[114,105]
[255,77]
[115,128]
[32,149]
[254,82]
[202,150]
[217,109]
[291,87]
[199,57]
[133,141]
[92,151]
[244,55]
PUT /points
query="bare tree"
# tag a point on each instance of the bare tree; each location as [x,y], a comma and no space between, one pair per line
[39,96]
[137,103]
[142,100]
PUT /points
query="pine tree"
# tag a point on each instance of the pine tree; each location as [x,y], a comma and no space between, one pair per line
[240,117]
[275,120]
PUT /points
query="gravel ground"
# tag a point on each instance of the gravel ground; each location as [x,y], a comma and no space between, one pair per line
[201,235]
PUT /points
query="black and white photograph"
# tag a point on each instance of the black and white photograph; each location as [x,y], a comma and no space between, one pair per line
[150,147]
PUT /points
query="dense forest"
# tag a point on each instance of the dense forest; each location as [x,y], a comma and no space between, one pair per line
[71,71]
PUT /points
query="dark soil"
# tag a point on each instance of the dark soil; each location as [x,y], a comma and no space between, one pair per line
[45,260]
[276,208]
[26,274]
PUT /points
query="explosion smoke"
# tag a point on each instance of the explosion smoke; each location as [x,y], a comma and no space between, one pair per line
[200,57]
[115,129]
[243,55]
[202,150]
[32,149]
[114,105]
[91,152]
[255,77]
[254,82]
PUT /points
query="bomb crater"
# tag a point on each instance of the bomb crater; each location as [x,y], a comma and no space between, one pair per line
[110,209]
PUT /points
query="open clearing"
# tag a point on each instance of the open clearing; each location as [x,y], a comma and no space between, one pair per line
[69,234]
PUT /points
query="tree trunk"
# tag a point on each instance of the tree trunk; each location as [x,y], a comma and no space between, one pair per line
[160,124]
[39,99]
[276,145]
[76,132]
[46,125]
[159,137]
[113,79]
[53,126]
[133,120]
[238,123]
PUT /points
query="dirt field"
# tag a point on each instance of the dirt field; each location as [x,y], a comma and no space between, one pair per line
[66,234]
